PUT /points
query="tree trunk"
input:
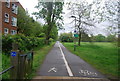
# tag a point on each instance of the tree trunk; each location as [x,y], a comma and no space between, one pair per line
[48,35]
[48,32]
[50,21]
[47,40]
[79,39]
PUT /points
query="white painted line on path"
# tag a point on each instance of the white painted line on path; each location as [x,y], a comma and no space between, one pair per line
[66,63]
[53,69]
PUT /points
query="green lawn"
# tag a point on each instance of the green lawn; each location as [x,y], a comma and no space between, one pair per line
[101,55]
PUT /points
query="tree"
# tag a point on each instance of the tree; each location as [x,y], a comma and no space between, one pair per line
[54,33]
[27,25]
[107,11]
[85,38]
[51,13]
[37,29]
[100,38]
[81,13]
[111,38]
[66,37]
[21,20]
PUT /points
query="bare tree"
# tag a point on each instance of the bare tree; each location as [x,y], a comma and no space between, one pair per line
[107,11]
[81,12]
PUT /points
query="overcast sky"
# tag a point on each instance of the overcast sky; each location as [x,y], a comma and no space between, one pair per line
[29,5]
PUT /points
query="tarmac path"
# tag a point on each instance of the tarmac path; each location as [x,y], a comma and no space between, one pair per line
[61,62]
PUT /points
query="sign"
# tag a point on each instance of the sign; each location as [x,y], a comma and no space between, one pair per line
[75,31]
[13,54]
[76,35]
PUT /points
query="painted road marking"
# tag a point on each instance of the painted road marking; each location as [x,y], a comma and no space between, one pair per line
[66,63]
[86,72]
[53,69]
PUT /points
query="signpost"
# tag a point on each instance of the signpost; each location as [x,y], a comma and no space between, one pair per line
[75,34]
[75,39]
[14,61]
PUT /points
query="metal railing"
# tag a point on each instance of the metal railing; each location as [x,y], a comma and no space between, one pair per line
[6,70]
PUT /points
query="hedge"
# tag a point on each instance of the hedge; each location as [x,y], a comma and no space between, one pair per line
[25,43]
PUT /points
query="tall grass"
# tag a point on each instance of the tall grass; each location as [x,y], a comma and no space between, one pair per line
[5,65]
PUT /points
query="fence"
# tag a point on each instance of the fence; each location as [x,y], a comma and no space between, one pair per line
[21,64]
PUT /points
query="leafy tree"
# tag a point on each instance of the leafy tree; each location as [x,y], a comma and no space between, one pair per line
[37,29]
[41,35]
[111,38]
[54,33]
[100,38]
[27,25]
[66,37]
[51,13]
[85,38]
[21,20]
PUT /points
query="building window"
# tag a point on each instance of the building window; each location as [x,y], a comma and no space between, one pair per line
[13,32]
[7,3]
[14,21]
[6,17]
[14,8]
[6,31]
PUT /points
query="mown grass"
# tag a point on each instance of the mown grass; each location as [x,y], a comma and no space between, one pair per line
[101,55]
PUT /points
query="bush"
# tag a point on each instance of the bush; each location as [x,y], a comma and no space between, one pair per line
[51,40]
[7,43]
[66,39]
[42,35]
[24,43]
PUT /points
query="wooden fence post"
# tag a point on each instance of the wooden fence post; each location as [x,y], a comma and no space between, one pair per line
[22,67]
[14,61]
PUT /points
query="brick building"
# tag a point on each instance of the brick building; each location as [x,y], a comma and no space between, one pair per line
[8,17]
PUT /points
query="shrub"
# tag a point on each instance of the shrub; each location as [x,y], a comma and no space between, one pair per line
[7,43]
[51,40]
[24,43]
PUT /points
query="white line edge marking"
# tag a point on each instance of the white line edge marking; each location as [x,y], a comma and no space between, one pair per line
[66,63]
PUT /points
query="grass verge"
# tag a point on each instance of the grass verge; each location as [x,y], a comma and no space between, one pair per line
[39,56]
[101,55]
[5,65]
